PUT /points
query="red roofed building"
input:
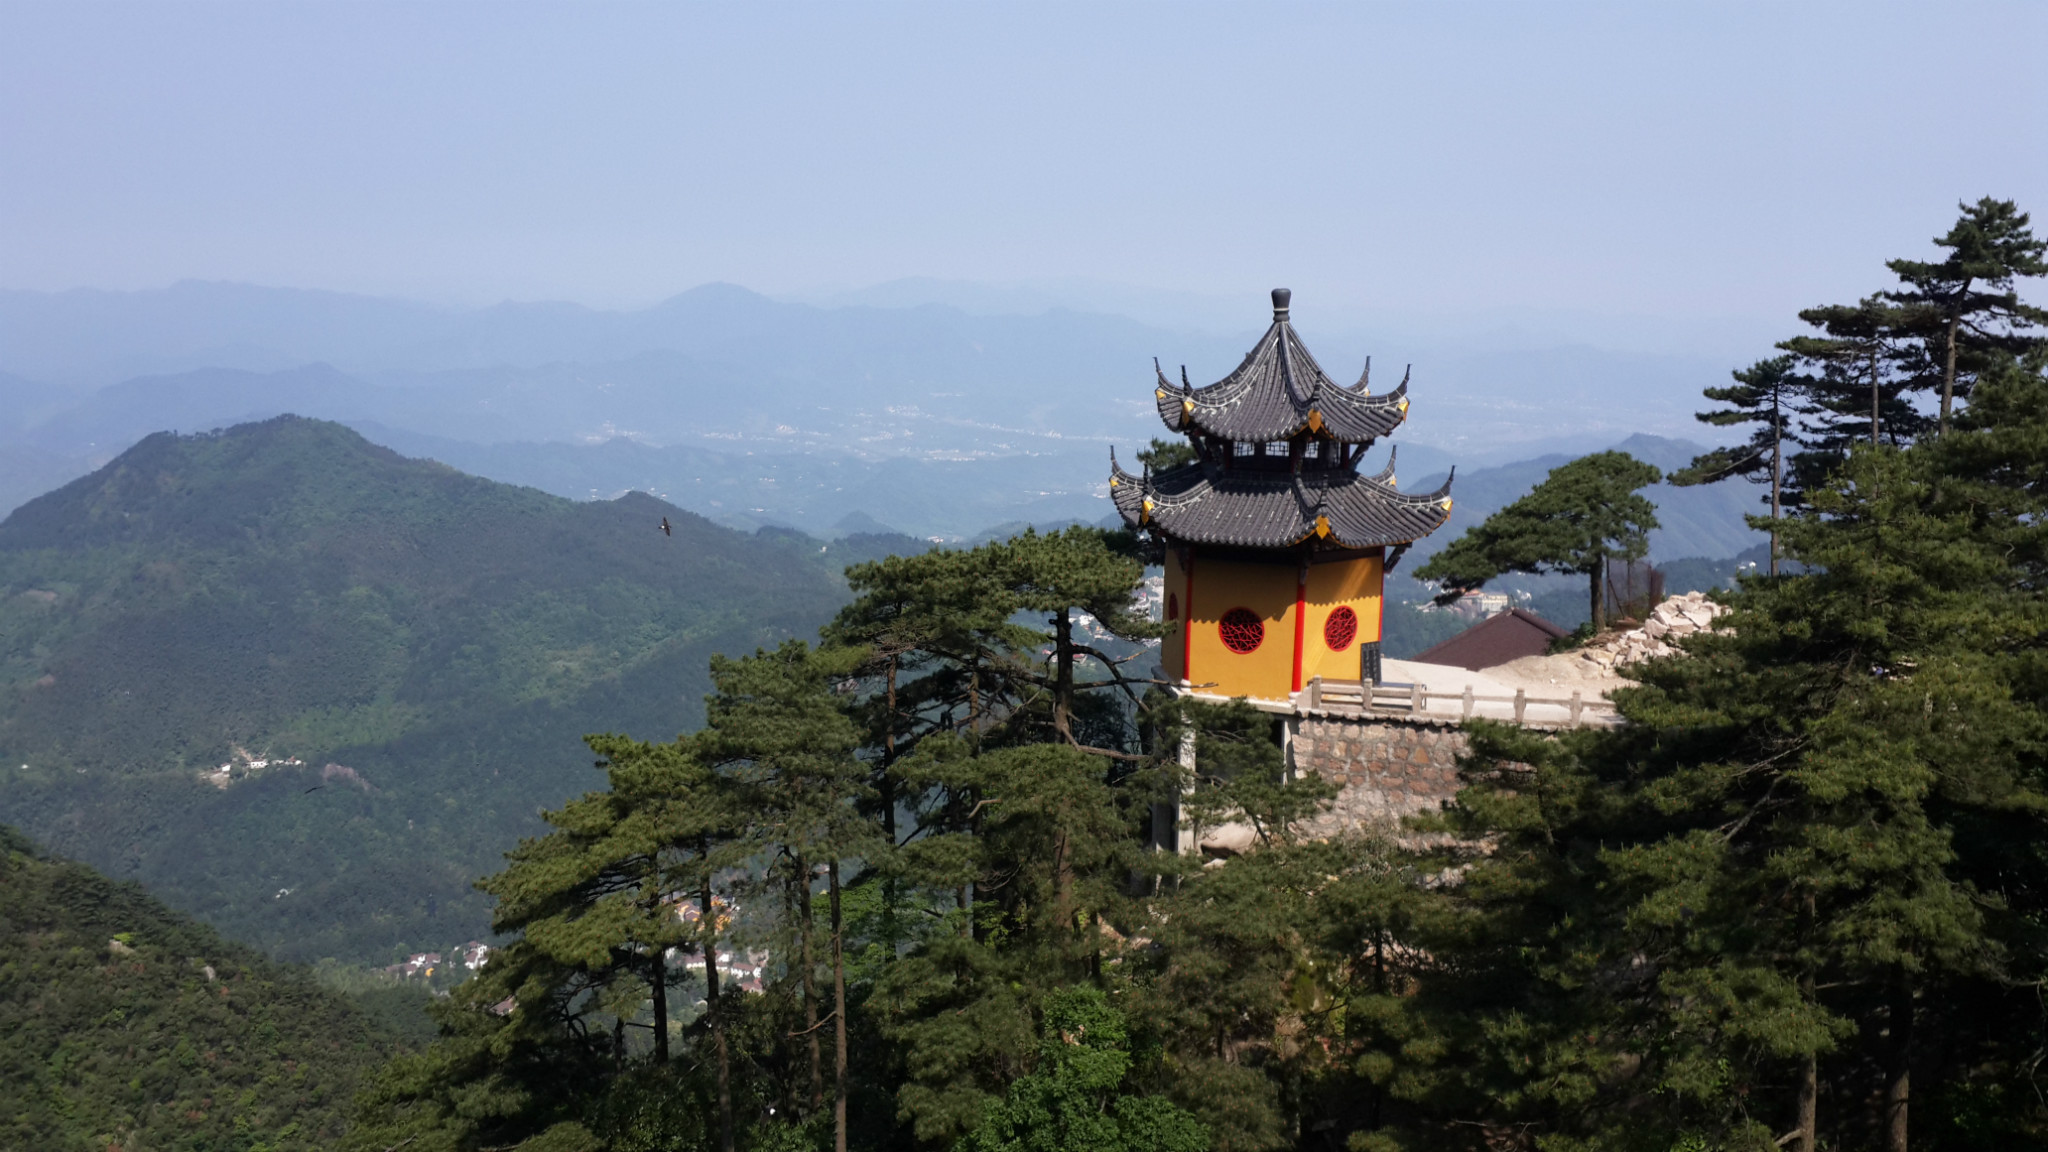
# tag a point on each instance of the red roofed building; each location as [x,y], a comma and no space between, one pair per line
[1505,636]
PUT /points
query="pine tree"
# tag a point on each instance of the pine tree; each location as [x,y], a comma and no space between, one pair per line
[1047,848]
[1160,455]
[1580,516]
[1079,570]
[1075,1099]
[595,894]
[1241,774]
[1855,389]
[1964,309]
[537,1042]
[776,724]
[1758,887]
[1765,393]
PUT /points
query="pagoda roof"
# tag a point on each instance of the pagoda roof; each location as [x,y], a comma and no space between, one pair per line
[1278,391]
[1204,504]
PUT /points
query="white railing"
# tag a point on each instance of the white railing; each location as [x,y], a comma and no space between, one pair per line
[1414,700]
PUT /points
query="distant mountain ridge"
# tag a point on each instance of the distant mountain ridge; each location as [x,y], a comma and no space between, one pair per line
[742,364]
[1695,522]
[757,411]
[288,591]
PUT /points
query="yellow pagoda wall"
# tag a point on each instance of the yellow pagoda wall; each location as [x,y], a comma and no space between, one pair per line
[1267,590]
[1354,584]
[1174,615]
[1193,649]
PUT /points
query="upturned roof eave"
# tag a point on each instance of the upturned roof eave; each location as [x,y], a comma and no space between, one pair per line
[1280,374]
[1284,512]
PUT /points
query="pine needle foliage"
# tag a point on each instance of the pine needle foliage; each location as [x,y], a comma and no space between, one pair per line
[1582,514]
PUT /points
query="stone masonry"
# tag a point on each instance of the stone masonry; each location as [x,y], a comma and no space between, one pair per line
[1384,769]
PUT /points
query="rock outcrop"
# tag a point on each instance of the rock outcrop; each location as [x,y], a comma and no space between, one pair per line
[1675,617]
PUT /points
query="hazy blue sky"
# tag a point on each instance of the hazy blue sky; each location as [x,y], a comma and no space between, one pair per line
[1649,158]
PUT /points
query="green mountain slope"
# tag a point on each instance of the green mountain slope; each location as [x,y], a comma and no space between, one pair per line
[431,645]
[131,1027]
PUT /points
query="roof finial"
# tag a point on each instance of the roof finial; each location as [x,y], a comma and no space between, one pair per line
[1280,298]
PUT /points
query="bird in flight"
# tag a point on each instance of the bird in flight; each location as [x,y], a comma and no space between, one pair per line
[314,788]
[665,528]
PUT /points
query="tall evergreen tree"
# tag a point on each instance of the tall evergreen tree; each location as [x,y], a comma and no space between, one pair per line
[1766,393]
[776,724]
[1076,1098]
[1078,570]
[1965,309]
[1757,888]
[1160,455]
[1855,390]
[540,1038]
[1580,516]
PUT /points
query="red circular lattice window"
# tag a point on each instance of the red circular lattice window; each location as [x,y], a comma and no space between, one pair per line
[1340,629]
[1172,606]
[1242,630]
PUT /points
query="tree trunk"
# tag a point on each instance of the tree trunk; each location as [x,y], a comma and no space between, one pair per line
[658,979]
[1899,1073]
[1599,605]
[1063,684]
[889,724]
[974,696]
[1777,482]
[1806,1129]
[838,1015]
[714,1010]
[885,793]
[1948,373]
[810,984]
[1806,1136]
[1873,399]
[1063,884]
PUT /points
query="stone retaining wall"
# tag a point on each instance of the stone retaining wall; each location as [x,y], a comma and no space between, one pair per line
[1384,769]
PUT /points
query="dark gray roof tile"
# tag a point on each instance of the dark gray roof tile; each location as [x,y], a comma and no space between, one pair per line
[1201,504]
[1277,391]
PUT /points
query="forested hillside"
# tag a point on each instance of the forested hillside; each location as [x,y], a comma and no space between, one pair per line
[131,1027]
[430,645]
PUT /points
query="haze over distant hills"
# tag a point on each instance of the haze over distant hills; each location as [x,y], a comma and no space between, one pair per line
[732,369]
[938,418]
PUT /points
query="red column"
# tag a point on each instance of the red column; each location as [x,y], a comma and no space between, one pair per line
[1300,621]
[1379,632]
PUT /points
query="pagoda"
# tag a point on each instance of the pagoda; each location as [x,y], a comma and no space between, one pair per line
[1276,546]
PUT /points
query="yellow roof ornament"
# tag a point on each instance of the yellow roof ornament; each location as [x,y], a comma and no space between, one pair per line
[1113,481]
[1159,393]
[1447,503]
[1322,526]
[1404,405]
[1145,511]
[1187,406]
